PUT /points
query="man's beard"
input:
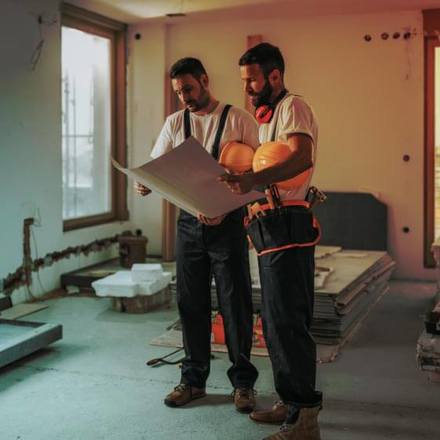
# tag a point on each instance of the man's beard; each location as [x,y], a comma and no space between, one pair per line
[263,97]
[200,103]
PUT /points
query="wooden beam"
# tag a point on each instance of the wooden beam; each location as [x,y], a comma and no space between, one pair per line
[169,211]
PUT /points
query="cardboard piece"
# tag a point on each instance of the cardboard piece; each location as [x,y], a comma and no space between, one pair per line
[173,338]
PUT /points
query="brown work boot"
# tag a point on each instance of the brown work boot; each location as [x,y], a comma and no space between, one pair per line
[305,428]
[276,415]
[244,399]
[182,394]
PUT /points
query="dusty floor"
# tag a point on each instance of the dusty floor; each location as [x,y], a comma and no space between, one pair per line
[94,384]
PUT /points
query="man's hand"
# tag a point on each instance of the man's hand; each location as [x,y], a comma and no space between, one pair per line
[210,221]
[238,183]
[142,190]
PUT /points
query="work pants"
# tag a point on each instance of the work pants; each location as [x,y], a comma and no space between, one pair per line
[221,251]
[287,289]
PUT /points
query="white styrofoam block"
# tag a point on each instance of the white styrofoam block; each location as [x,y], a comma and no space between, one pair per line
[152,287]
[120,284]
[146,272]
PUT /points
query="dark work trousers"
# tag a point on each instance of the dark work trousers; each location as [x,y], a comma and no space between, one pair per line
[287,284]
[221,251]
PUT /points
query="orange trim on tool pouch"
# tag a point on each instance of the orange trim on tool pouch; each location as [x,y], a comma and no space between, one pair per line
[285,203]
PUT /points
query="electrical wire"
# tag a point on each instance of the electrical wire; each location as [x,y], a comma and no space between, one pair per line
[36,256]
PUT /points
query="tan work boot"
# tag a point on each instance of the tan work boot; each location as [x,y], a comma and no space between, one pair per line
[182,394]
[244,399]
[305,428]
[276,415]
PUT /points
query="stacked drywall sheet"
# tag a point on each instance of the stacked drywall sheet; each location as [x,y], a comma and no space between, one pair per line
[347,285]
[357,281]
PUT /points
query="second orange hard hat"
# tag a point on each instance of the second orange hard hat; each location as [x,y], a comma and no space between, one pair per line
[273,153]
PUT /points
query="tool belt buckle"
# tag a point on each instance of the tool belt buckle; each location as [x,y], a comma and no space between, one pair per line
[315,196]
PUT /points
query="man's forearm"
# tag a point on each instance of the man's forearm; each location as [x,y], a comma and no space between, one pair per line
[283,171]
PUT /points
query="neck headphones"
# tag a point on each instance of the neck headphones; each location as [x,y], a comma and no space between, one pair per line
[265,112]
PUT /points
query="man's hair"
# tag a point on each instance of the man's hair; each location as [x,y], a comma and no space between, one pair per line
[267,56]
[185,66]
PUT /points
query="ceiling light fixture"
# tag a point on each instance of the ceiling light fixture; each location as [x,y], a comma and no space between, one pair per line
[176,14]
[179,12]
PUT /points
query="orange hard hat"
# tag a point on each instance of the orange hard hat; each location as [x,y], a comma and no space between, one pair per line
[273,153]
[236,157]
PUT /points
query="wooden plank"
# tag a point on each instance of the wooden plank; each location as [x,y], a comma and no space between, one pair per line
[20,310]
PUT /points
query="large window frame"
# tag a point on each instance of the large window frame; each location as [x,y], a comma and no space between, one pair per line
[431,24]
[90,22]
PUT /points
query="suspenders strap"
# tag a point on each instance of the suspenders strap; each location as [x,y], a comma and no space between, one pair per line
[186,123]
[218,136]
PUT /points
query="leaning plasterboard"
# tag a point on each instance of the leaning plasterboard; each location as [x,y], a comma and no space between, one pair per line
[187,177]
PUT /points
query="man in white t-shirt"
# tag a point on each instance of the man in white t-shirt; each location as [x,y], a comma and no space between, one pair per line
[284,239]
[207,247]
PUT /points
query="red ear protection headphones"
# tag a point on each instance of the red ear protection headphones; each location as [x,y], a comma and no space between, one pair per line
[264,113]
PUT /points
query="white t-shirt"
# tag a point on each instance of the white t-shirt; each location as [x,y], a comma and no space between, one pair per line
[292,115]
[240,126]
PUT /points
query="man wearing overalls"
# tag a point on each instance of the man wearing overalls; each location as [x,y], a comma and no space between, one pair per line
[210,247]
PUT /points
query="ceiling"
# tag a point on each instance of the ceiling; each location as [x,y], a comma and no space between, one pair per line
[132,11]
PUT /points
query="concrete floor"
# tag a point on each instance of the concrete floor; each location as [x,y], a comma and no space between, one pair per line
[94,384]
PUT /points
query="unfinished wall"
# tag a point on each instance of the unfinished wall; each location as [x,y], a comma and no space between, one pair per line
[30,145]
[146,74]
[368,97]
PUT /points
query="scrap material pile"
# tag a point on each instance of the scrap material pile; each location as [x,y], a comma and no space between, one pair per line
[357,280]
[428,345]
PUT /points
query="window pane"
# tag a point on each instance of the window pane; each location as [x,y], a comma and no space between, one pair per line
[437,140]
[86,119]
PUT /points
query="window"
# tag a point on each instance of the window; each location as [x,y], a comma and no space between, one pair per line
[93,118]
[431,19]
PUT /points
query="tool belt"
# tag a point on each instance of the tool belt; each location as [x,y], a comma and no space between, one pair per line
[290,224]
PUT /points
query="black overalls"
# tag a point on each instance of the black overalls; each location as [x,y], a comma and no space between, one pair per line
[221,251]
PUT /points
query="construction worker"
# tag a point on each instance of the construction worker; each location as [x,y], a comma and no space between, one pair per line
[207,247]
[284,235]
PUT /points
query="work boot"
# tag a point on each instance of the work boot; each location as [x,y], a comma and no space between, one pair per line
[304,428]
[182,394]
[244,399]
[276,415]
